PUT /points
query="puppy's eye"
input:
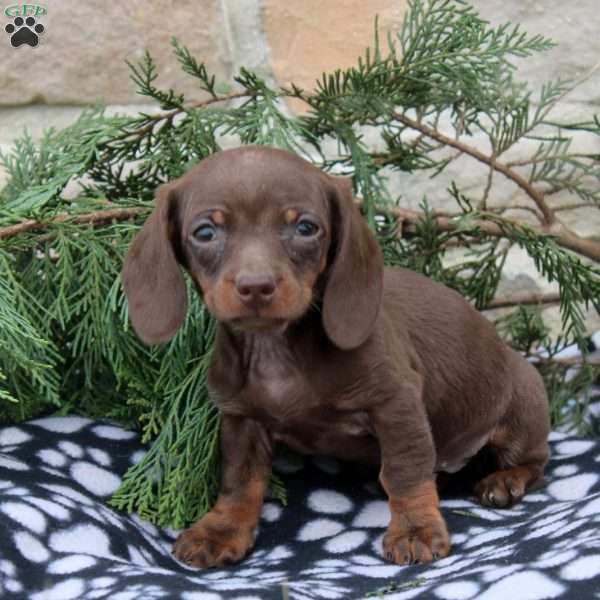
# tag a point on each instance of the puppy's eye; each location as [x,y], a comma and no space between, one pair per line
[206,232]
[306,228]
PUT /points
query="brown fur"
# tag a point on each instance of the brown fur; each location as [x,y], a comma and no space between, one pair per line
[339,356]
[417,532]
[227,532]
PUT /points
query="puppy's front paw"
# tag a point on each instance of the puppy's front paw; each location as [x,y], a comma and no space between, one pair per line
[213,542]
[415,546]
[417,532]
[507,487]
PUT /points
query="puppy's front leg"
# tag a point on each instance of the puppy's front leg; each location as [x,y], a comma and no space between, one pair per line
[226,533]
[417,531]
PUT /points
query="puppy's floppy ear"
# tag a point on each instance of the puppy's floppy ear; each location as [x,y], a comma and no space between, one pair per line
[151,275]
[355,278]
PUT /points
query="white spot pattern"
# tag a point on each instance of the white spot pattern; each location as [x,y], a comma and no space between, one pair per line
[97,480]
[52,457]
[9,436]
[327,501]
[319,529]
[25,515]
[63,541]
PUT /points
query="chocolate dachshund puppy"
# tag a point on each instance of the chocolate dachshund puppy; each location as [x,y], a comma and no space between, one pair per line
[321,347]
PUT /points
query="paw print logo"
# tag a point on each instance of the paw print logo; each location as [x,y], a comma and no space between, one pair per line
[24,31]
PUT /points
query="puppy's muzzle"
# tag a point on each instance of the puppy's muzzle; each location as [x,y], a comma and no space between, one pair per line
[255,290]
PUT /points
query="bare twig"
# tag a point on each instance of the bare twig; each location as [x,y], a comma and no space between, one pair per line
[503,209]
[574,206]
[534,161]
[523,299]
[560,208]
[488,187]
[573,361]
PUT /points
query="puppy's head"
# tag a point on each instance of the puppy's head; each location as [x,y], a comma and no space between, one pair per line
[264,235]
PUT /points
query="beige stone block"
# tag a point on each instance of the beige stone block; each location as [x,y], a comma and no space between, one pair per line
[573,26]
[81,55]
[310,37]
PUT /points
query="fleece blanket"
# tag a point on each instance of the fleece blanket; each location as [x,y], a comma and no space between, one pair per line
[60,541]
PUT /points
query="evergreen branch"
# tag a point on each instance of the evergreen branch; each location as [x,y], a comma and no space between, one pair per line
[153,120]
[39,174]
[143,74]
[192,67]
[564,237]
[28,360]
[535,195]
[94,218]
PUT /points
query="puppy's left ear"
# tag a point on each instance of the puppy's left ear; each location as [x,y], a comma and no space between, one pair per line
[355,278]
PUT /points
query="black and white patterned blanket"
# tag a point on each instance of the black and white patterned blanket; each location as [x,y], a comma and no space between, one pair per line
[59,540]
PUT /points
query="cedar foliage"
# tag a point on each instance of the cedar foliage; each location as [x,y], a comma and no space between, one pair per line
[65,342]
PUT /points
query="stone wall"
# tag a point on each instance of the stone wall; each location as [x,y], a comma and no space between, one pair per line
[80,61]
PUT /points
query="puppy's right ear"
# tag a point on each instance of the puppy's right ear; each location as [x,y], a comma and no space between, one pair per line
[152,277]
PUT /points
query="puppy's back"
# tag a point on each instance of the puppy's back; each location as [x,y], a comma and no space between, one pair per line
[433,314]
[464,364]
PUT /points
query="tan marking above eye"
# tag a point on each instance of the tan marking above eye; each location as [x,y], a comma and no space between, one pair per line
[218,217]
[290,216]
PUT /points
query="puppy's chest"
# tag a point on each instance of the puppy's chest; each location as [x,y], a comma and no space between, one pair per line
[296,416]
[283,396]
[278,396]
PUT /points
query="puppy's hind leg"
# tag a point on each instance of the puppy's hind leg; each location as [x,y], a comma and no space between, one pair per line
[518,445]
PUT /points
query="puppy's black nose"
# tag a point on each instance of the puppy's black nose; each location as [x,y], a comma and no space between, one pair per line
[255,290]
